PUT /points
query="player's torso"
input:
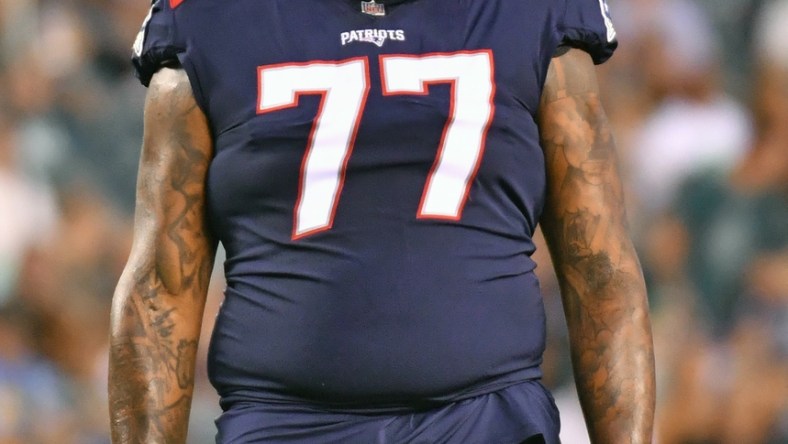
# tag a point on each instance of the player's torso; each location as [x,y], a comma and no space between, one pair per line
[376,182]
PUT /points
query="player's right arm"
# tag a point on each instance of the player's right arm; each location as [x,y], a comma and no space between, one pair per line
[158,303]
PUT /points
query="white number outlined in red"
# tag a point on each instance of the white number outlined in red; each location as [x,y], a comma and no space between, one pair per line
[344,86]
[471,76]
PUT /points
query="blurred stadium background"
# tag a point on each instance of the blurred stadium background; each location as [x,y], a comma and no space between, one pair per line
[698,98]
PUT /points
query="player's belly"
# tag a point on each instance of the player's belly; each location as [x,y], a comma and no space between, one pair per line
[373,337]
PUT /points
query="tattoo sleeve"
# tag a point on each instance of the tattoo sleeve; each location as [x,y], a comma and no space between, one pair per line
[601,282]
[158,303]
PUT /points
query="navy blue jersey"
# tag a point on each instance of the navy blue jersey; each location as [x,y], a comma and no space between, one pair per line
[376,183]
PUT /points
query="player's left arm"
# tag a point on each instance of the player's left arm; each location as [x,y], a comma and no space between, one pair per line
[601,281]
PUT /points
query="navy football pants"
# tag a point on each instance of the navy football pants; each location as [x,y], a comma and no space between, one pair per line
[521,414]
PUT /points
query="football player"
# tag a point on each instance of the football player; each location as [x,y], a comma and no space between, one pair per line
[376,171]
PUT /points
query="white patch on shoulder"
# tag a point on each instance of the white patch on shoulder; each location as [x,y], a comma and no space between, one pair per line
[611,31]
[140,40]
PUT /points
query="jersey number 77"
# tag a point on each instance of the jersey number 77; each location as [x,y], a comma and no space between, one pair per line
[344,86]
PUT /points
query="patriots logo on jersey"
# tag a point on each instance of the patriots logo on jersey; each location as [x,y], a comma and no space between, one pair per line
[375,36]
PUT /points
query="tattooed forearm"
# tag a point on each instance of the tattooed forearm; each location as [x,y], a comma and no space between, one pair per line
[187,351]
[157,307]
[601,283]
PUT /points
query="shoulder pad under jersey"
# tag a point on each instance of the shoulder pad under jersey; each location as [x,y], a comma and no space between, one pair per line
[587,25]
[157,43]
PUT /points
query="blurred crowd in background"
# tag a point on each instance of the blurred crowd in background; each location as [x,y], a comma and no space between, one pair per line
[697,95]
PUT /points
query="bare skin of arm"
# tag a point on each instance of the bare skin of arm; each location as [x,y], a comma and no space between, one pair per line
[158,303]
[602,286]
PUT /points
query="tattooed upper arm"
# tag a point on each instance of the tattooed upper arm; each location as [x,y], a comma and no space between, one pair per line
[574,131]
[158,303]
[177,149]
[585,209]
[602,287]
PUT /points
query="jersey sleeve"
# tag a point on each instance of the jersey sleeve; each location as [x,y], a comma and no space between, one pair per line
[587,26]
[157,42]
